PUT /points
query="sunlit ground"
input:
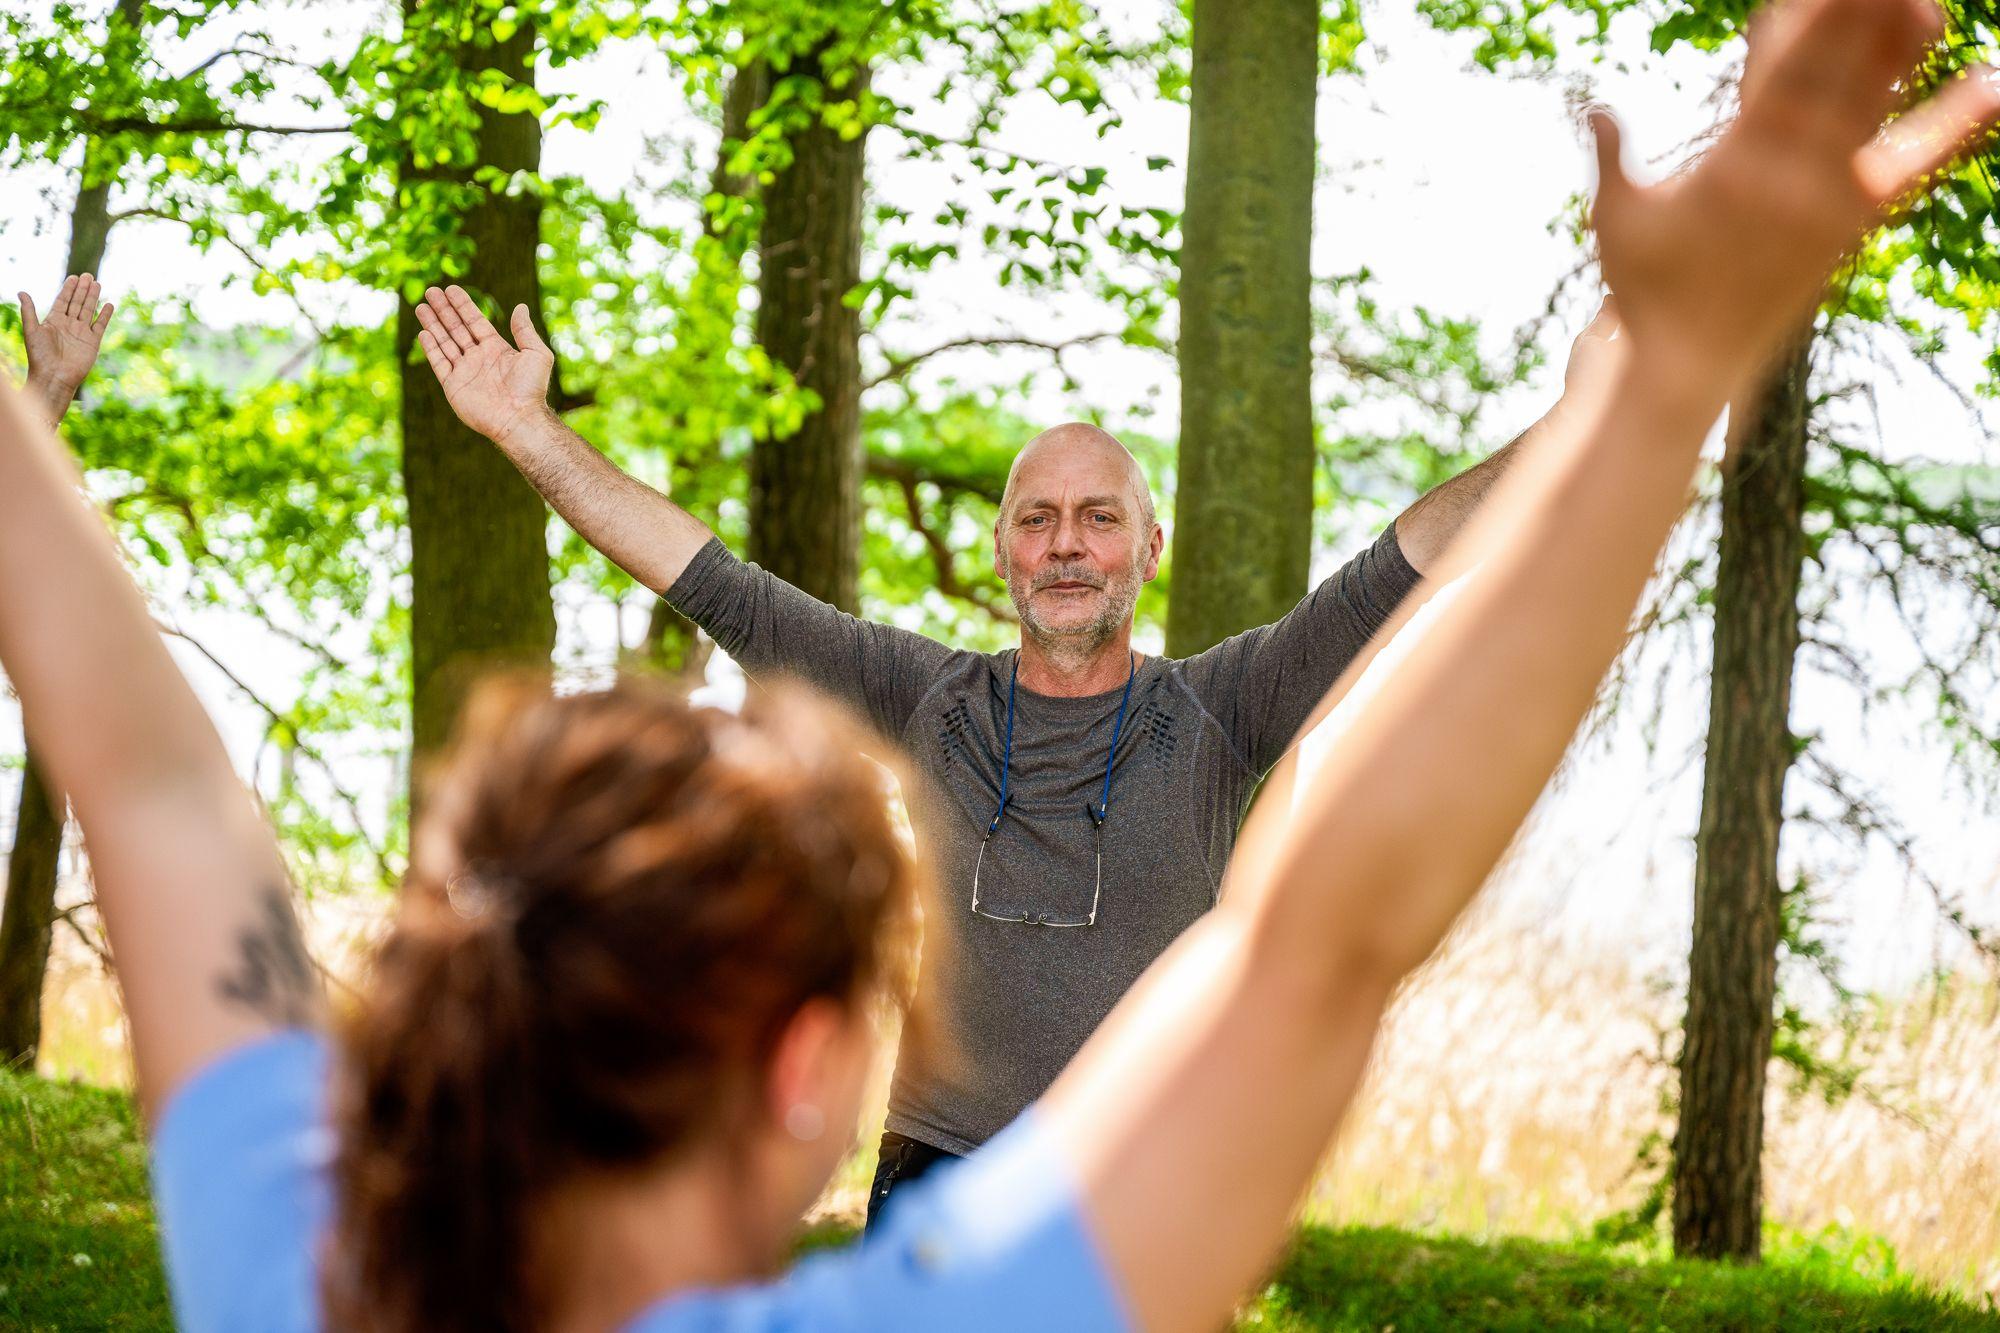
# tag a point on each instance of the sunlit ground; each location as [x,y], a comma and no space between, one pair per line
[1513,1089]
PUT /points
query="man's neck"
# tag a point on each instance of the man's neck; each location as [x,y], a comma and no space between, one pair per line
[1058,670]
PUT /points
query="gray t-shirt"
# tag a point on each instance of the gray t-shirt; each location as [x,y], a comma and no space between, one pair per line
[1016,1002]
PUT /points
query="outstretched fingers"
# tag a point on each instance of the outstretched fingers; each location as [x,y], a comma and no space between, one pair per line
[30,321]
[1933,135]
[103,319]
[447,324]
[444,347]
[1834,65]
[468,310]
[523,326]
[441,363]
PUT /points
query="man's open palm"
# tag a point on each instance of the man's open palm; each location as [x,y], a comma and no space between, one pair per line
[62,346]
[493,386]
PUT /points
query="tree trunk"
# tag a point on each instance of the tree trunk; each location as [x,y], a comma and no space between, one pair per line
[805,489]
[28,920]
[479,560]
[673,645]
[28,917]
[1243,503]
[1732,968]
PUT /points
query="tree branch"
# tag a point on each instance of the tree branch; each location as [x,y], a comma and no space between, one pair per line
[249,257]
[107,125]
[271,57]
[305,747]
[948,581]
[899,367]
[905,474]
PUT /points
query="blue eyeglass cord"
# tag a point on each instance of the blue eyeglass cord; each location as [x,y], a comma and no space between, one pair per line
[1096,812]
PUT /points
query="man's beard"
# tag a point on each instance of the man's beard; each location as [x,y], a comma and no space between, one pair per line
[1079,638]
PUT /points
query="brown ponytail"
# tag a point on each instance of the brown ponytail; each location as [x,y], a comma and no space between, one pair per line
[616,902]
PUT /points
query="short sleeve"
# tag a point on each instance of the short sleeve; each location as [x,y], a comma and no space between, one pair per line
[239,1174]
[996,1242]
[1262,684]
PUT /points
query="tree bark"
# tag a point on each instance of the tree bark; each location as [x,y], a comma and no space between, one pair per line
[479,561]
[1732,967]
[673,644]
[27,920]
[1243,505]
[805,489]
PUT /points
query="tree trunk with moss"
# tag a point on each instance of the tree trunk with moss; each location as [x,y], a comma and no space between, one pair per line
[1732,972]
[1243,505]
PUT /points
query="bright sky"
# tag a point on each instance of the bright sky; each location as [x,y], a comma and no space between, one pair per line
[1445,182]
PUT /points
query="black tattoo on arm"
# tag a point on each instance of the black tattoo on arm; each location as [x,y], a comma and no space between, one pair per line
[273,976]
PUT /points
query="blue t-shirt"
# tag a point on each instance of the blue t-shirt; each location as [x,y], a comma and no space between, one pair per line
[240,1165]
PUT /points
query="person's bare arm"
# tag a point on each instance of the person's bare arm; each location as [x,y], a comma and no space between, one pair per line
[188,877]
[1427,527]
[501,391]
[1196,1114]
[62,347]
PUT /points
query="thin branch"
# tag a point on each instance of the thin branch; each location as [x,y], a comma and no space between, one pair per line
[305,747]
[906,474]
[68,917]
[948,581]
[249,257]
[201,125]
[899,367]
[271,57]
[929,140]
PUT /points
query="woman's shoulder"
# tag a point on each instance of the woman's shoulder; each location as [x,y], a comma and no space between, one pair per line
[995,1242]
[240,1159]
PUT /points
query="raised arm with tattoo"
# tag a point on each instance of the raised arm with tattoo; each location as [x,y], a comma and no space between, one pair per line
[188,877]
[501,391]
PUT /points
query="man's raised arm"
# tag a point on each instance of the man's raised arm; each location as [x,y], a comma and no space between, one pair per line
[502,392]
[766,624]
[1429,524]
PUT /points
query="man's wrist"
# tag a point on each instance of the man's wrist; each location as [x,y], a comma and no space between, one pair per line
[526,430]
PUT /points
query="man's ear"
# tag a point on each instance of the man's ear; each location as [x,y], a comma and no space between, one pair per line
[999,553]
[1159,544]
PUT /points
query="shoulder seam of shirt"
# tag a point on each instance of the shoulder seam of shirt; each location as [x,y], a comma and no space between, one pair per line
[1228,741]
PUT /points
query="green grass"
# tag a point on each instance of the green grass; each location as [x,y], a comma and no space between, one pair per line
[78,1251]
[1377,1278]
[77,1244]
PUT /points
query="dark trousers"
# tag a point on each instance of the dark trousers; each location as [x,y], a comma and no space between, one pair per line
[902,1160]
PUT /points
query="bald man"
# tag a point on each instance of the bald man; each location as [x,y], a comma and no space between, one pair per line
[1081,798]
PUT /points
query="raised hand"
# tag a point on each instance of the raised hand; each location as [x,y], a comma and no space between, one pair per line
[494,388]
[1714,265]
[62,347]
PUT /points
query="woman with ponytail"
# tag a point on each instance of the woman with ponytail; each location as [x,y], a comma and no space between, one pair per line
[616,1041]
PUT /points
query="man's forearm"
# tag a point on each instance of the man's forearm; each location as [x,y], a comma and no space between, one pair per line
[1428,525]
[637,528]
